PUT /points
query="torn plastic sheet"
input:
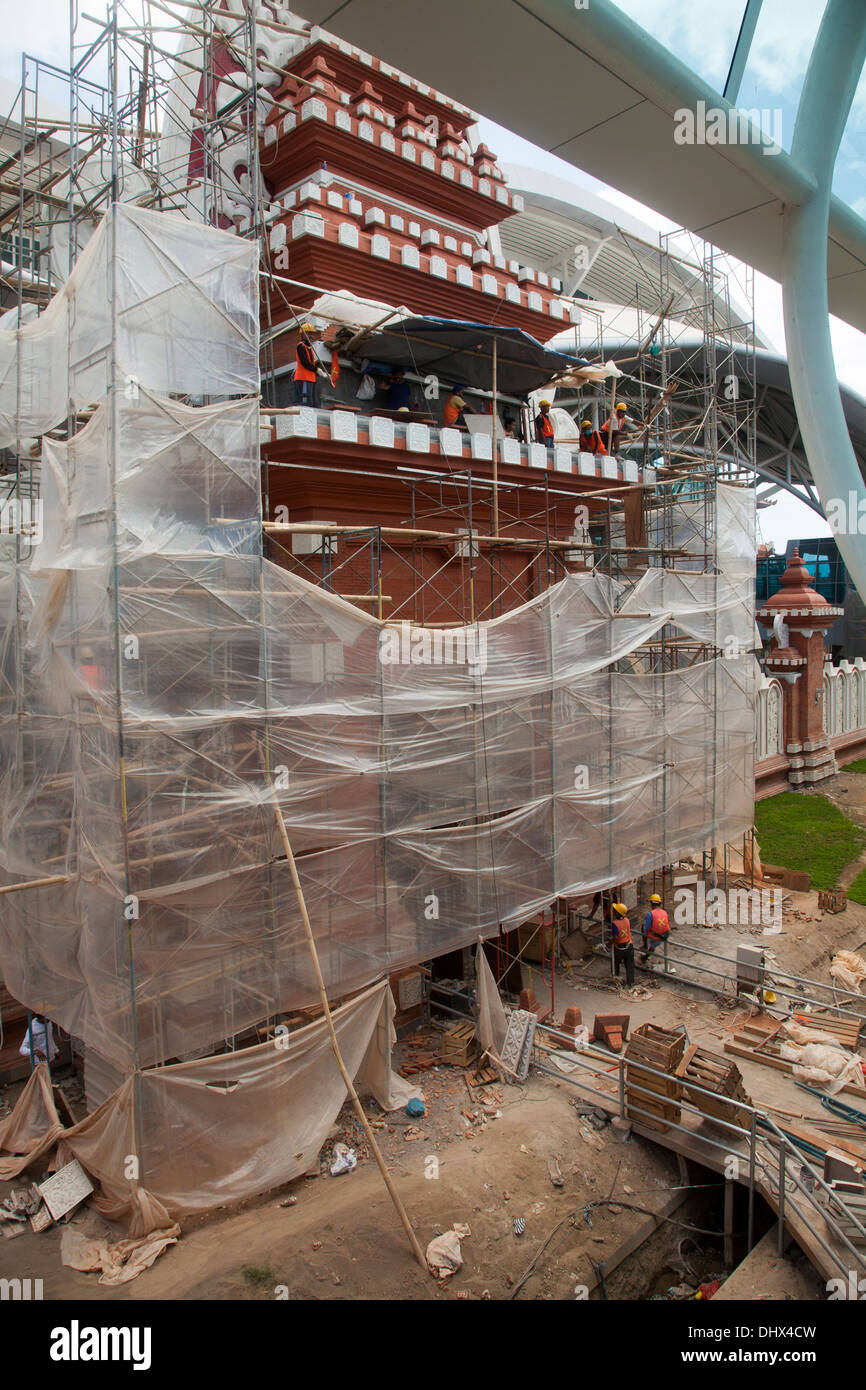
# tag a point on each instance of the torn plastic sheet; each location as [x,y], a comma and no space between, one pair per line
[213,1131]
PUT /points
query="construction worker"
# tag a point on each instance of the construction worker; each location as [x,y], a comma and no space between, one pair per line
[452,413]
[91,672]
[591,441]
[656,926]
[544,425]
[614,427]
[307,370]
[623,946]
[399,391]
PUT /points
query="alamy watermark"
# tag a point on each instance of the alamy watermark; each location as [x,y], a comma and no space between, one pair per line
[847,516]
[853,1289]
[697,905]
[21,1290]
[716,125]
[77,1343]
[425,646]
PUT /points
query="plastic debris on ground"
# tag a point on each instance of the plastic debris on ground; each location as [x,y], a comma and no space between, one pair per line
[344,1160]
[443,1255]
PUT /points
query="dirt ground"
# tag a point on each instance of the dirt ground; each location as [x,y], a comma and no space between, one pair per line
[341,1238]
[483,1158]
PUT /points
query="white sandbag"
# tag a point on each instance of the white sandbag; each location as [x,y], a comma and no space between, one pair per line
[848,969]
[799,1034]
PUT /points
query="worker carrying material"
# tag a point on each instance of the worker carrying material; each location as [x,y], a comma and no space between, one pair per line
[544,425]
[617,425]
[591,441]
[656,926]
[623,946]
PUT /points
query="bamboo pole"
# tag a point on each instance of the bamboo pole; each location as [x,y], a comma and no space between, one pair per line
[353,1095]
[611,415]
[35,883]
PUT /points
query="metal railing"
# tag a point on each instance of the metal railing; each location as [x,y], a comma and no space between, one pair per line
[781,1177]
[781,1148]
[772,975]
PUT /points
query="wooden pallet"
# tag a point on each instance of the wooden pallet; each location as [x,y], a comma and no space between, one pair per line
[846,1030]
[711,1072]
[482,1076]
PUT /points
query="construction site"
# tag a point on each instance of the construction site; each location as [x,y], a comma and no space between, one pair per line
[396,766]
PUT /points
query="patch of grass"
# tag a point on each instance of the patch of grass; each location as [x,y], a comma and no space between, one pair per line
[859,766]
[257,1274]
[807,833]
[857,891]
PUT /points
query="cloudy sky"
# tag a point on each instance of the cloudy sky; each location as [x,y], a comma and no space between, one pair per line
[702,34]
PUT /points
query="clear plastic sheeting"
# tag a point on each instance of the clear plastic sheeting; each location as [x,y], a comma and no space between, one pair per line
[425,803]
[186,321]
[184,480]
[162,685]
[211,1132]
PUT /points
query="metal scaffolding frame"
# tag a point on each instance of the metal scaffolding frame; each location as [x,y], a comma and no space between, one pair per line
[114,137]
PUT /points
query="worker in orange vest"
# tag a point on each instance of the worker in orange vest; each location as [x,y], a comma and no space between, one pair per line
[452,413]
[544,425]
[591,441]
[623,946]
[617,425]
[656,926]
[307,370]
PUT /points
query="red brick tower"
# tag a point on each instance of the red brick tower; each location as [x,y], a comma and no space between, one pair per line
[803,617]
[383,195]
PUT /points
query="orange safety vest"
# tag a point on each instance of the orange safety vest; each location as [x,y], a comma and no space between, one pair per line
[305,368]
[592,443]
[335,367]
[545,423]
[450,411]
[660,925]
[623,927]
[94,676]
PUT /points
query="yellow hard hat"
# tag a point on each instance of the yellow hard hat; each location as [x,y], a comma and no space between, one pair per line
[621,405]
[586,424]
[769,996]
[620,908]
[544,403]
[655,897]
[308,328]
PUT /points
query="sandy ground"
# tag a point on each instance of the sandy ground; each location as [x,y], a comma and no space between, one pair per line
[339,1238]
[342,1240]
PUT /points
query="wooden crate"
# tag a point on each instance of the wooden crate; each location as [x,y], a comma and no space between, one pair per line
[834,900]
[659,1046]
[459,1047]
[711,1072]
[663,1050]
